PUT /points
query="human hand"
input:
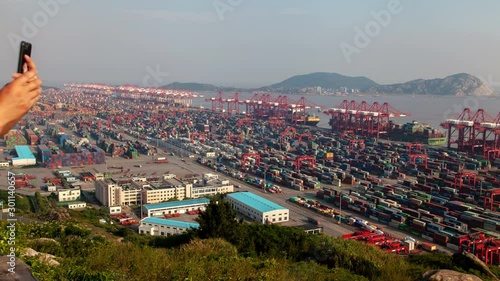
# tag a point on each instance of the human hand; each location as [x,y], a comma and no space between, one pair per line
[17,97]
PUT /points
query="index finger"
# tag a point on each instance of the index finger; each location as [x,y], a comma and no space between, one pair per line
[25,77]
[30,63]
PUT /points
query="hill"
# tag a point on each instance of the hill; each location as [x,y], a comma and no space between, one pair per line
[461,84]
[324,80]
[199,87]
[457,85]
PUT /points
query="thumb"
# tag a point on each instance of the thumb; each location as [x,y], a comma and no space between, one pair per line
[15,75]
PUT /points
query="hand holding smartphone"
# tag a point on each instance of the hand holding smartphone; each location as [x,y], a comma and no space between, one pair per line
[24,49]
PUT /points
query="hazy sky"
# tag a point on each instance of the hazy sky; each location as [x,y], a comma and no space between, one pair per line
[250,43]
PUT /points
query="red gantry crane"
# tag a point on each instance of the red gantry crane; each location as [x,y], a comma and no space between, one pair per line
[297,162]
[194,136]
[475,132]
[461,176]
[485,248]
[217,102]
[255,156]
[307,135]
[288,132]
[233,104]
[490,201]
[362,118]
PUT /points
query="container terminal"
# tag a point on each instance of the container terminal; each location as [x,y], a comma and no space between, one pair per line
[354,174]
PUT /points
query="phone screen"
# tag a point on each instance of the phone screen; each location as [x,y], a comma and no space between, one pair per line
[24,49]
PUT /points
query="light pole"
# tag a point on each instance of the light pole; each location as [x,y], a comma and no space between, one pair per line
[480,189]
[265,179]
[340,202]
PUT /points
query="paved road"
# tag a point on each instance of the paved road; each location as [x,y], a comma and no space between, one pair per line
[299,214]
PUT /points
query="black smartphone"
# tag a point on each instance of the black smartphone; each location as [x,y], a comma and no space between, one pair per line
[24,49]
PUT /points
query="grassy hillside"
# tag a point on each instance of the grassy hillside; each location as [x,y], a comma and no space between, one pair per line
[222,249]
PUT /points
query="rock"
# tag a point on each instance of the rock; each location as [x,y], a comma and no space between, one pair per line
[48,259]
[46,240]
[447,275]
[22,272]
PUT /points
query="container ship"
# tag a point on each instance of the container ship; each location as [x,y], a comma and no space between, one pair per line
[418,132]
[309,120]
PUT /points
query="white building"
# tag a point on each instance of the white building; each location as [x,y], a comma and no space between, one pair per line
[164,227]
[115,210]
[208,186]
[51,187]
[160,191]
[77,205]
[65,195]
[156,190]
[174,207]
[257,208]
[108,193]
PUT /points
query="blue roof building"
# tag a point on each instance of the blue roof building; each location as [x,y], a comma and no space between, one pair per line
[24,156]
[174,207]
[175,223]
[164,227]
[258,208]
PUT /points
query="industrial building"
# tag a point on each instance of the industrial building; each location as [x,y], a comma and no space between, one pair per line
[66,195]
[111,192]
[73,204]
[164,227]
[257,208]
[174,207]
[24,156]
[208,186]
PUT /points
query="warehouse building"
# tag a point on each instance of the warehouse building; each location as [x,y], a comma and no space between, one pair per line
[164,227]
[257,208]
[174,207]
[24,156]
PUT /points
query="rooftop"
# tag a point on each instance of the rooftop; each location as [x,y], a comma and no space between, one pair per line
[175,223]
[69,203]
[24,152]
[177,203]
[86,174]
[261,204]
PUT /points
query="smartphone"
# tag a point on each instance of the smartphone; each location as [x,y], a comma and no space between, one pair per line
[24,49]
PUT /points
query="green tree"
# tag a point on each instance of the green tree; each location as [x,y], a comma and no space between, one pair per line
[218,221]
